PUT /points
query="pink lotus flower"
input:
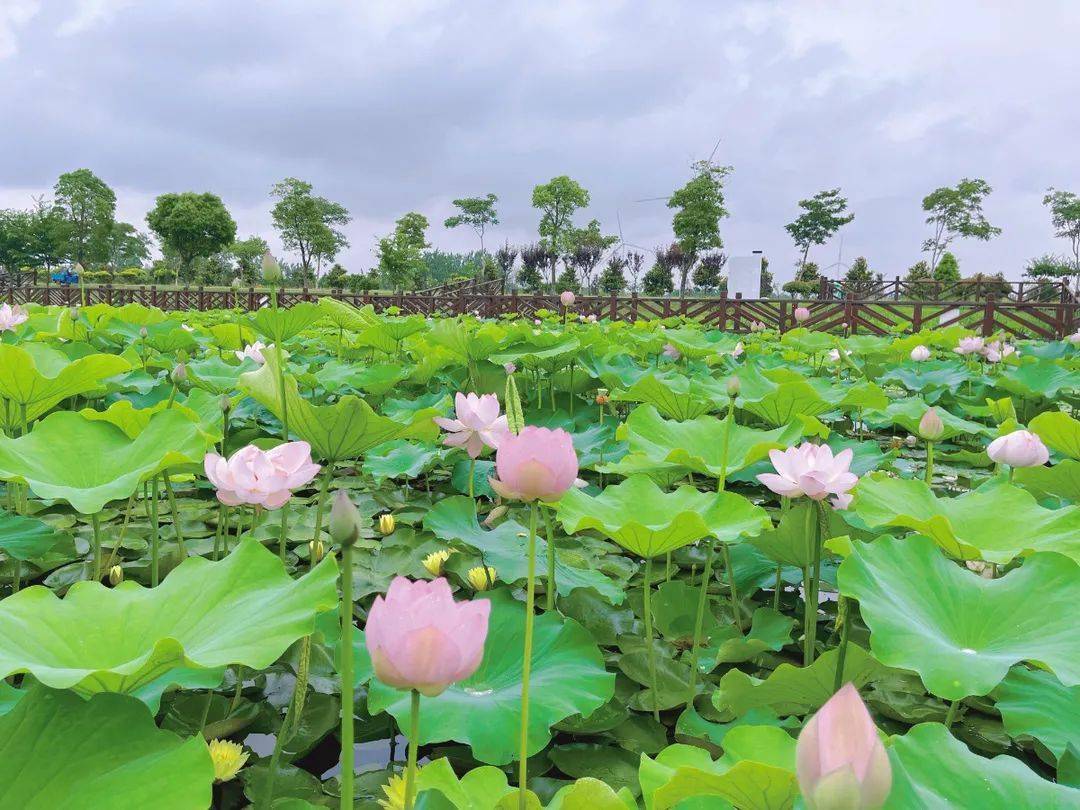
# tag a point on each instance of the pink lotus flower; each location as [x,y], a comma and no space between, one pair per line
[969,345]
[478,423]
[834,355]
[671,351]
[842,501]
[538,463]
[419,638]
[920,353]
[840,761]
[997,350]
[261,478]
[509,368]
[802,314]
[738,350]
[567,298]
[1021,448]
[931,428]
[811,470]
[253,351]
[757,326]
[11,316]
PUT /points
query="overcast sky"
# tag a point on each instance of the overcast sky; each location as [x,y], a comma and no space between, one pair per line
[395,106]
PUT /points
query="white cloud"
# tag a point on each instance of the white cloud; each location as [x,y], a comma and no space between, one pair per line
[89,13]
[14,14]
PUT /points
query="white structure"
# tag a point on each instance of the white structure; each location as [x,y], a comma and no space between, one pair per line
[744,276]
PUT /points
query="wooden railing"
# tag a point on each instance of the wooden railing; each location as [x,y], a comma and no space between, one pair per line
[1038,319]
[898,289]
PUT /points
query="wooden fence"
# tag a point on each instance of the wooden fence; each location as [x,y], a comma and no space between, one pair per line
[1038,319]
[898,289]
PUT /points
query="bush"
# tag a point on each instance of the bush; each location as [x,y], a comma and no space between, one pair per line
[802,289]
[658,280]
[948,269]
[335,276]
[986,285]
[359,283]
[567,280]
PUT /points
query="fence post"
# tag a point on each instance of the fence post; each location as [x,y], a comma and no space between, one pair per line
[722,317]
[613,307]
[633,306]
[783,317]
[916,318]
[823,288]
[201,292]
[988,317]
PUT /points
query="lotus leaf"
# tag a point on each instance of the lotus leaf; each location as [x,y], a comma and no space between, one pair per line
[1035,703]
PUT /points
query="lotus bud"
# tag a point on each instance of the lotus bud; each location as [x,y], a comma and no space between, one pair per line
[482,577]
[344,519]
[179,374]
[73,313]
[931,428]
[733,386]
[271,269]
[910,441]
[602,397]
[495,514]
[920,353]
[143,333]
[435,561]
[802,314]
[387,523]
[225,403]
[317,550]
[228,758]
[567,298]
[1021,448]
[116,575]
[509,368]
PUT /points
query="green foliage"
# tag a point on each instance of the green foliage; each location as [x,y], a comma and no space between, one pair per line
[612,280]
[823,215]
[699,208]
[859,272]
[191,225]
[533,259]
[948,269]
[658,280]
[308,225]
[557,200]
[401,263]
[956,211]
[1065,216]
[89,206]
[476,212]
[247,255]
[707,275]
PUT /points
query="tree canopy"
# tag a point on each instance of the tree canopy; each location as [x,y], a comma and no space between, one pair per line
[191,225]
[89,206]
[823,215]
[700,207]
[557,201]
[401,260]
[956,211]
[308,224]
[476,212]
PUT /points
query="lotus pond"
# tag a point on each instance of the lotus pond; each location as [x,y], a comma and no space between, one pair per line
[763,571]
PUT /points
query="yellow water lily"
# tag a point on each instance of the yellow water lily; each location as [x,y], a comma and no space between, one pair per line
[387,523]
[435,561]
[482,577]
[395,794]
[228,758]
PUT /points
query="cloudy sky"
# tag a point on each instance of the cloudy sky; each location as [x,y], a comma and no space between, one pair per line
[403,105]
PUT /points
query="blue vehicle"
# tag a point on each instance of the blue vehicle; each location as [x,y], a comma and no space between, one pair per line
[65,277]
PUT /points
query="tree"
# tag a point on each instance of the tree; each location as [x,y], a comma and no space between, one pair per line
[533,257]
[126,246]
[947,270]
[1065,216]
[956,211]
[766,289]
[442,266]
[89,206]
[612,281]
[918,280]
[504,259]
[587,246]
[247,255]
[48,234]
[658,280]
[806,282]
[14,239]
[708,273]
[823,215]
[557,200]
[859,272]
[568,280]
[1048,266]
[336,276]
[308,224]
[401,261]
[634,263]
[190,225]
[476,212]
[696,223]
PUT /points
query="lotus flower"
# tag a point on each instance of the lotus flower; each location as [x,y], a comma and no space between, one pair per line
[10,317]
[802,314]
[811,470]
[738,350]
[1021,448]
[509,368]
[842,501]
[969,345]
[567,298]
[997,350]
[931,428]
[840,761]
[1074,338]
[920,353]
[671,351]
[478,423]
[228,758]
[537,463]
[253,351]
[261,478]
[420,638]
[834,355]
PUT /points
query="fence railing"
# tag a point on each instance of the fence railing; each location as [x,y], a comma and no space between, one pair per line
[898,289]
[1038,319]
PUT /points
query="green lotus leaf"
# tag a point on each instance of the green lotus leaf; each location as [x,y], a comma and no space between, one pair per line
[961,632]
[346,316]
[908,412]
[204,616]
[58,750]
[696,443]
[693,725]
[673,395]
[546,350]
[38,377]
[647,521]
[376,379]
[133,421]
[1042,378]
[932,769]
[1059,431]
[616,765]
[794,690]
[769,630]
[399,328]
[506,548]
[467,342]
[480,789]
[935,375]
[1035,703]
[785,402]
[663,473]
[790,542]
[231,336]
[399,459]
[1061,481]
[110,465]
[335,432]
[592,794]
[27,538]
[568,678]
[280,324]
[216,376]
[997,522]
[653,774]
[757,772]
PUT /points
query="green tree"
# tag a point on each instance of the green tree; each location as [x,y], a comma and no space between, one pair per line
[708,273]
[247,255]
[191,225]
[658,280]
[766,290]
[336,276]
[956,212]
[89,206]
[401,261]
[612,281]
[806,282]
[823,215]
[587,247]
[947,270]
[442,266]
[476,212]
[1065,216]
[557,201]
[696,223]
[533,258]
[859,272]
[126,246]
[308,224]
[14,239]
[918,280]
[48,234]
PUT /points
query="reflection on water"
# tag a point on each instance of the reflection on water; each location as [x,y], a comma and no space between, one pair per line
[372,755]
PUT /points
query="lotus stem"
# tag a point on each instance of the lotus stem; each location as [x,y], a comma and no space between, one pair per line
[526,664]
[950,716]
[345,669]
[155,536]
[414,740]
[777,588]
[95,522]
[321,502]
[550,594]
[292,718]
[123,528]
[735,612]
[284,532]
[281,385]
[929,464]
[843,618]
[699,619]
[175,514]
[16,577]
[649,651]
[472,477]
